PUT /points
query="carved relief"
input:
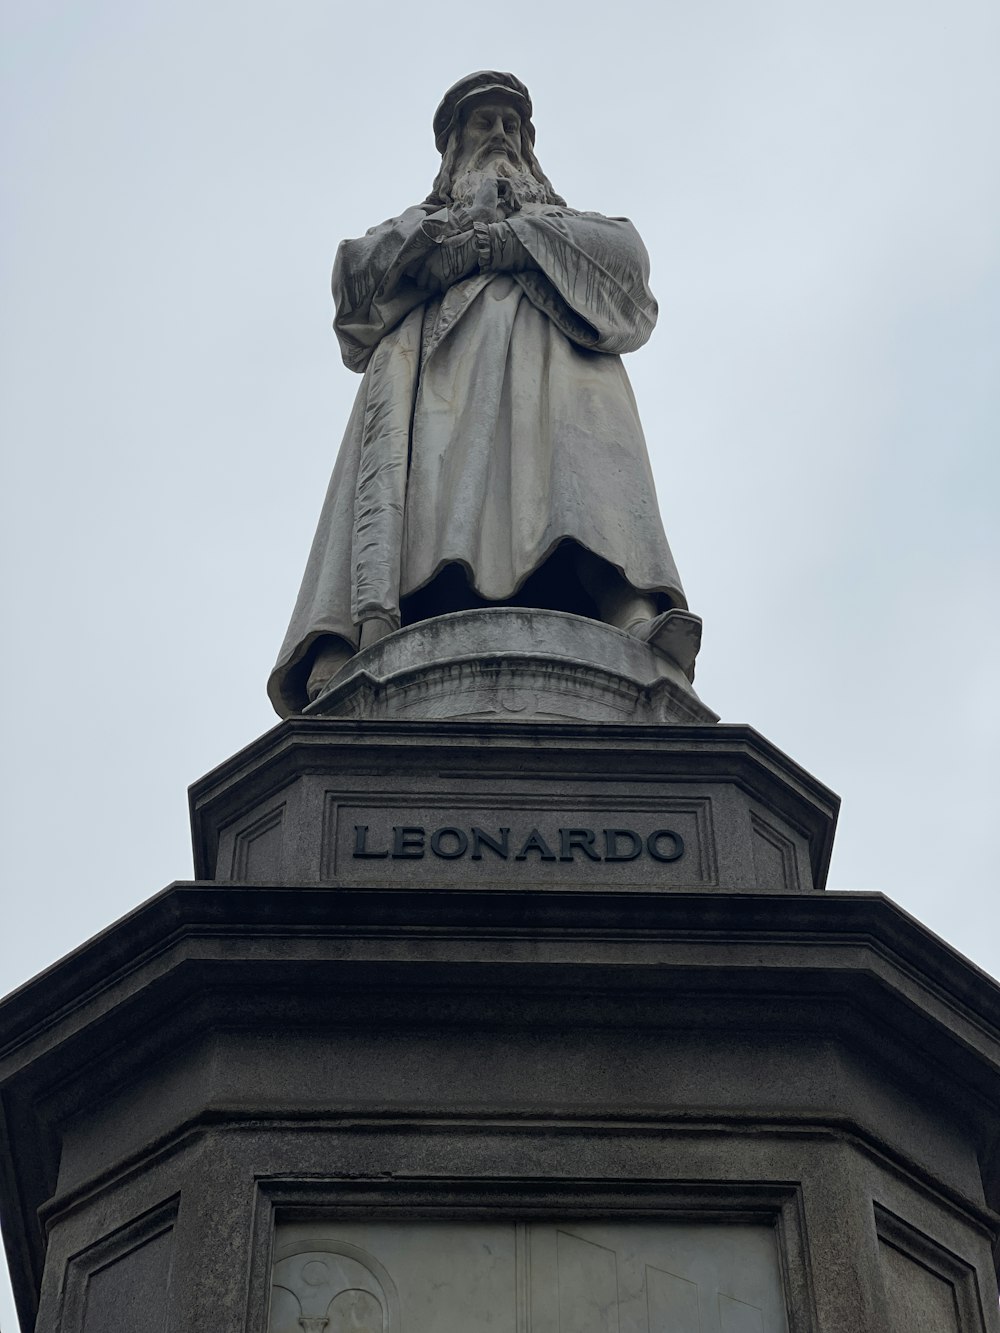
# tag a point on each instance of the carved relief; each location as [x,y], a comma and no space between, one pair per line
[671,1303]
[505,1277]
[739,1316]
[587,1275]
[331,1287]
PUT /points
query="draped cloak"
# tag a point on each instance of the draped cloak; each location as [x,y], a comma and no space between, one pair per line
[494,422]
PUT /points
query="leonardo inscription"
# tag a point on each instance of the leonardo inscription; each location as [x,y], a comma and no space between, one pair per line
[411,842]
[450,837]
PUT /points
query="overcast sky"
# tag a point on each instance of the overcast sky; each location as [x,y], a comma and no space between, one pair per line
[818,186]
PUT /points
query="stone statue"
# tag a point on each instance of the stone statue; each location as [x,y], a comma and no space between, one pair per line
[494,456]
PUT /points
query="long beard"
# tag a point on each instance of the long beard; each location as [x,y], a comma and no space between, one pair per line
[521,187]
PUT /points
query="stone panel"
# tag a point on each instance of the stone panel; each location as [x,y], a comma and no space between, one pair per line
[529,1277]
[257,848]
[122,1284]
[928,1288]
[327,1285]
[774,857]
[739,1316]
[587,1282]
[920,1301]
[671,1303]
[445,838]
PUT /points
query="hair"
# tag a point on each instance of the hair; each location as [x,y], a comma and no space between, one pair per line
[441,191]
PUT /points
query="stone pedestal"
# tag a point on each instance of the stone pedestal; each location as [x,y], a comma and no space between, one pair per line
[548,806]
[654,1080]
[504,662]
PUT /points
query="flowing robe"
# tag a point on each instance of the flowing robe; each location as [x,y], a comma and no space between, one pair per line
[494,422]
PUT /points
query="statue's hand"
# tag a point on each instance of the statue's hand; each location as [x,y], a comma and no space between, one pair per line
[506,202]
[485,206]
[501,251]
[449,260]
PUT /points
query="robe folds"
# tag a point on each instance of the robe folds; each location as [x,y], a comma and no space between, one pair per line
[494,422]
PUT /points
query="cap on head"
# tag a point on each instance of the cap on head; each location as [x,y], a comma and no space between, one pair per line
[483,84]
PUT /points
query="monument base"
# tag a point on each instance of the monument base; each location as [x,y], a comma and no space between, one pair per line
[259,1109]
[505,1028]
[505,662]
[548,805]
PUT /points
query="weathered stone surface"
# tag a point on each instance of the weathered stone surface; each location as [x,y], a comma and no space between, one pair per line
[505,663]
[228,1059]
[553,806]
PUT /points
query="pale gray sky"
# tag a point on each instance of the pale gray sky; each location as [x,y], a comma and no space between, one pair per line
[819,190]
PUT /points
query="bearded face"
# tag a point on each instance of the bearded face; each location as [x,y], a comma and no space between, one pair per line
[490,147]
[517,188]
[491,144]
[490,132]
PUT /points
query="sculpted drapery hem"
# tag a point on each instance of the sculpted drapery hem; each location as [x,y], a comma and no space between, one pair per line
[489,448]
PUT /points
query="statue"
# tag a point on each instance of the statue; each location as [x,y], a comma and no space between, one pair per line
[494,456]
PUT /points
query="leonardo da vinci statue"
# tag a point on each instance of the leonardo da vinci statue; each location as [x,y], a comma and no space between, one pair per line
[494,456]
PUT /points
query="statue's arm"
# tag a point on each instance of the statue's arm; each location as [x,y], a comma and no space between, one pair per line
[380,277]
[588,273]
[396,266]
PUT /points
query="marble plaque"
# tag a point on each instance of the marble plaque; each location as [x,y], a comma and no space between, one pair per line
[532,1277]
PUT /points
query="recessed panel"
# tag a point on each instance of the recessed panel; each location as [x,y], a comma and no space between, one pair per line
[920,1301]
[665,843]
[526,1277]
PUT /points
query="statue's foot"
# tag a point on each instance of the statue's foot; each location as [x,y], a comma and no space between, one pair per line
[375,629]
[676,634]
[330,657]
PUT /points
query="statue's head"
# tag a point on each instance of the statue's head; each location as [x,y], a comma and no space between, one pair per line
[483,127]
